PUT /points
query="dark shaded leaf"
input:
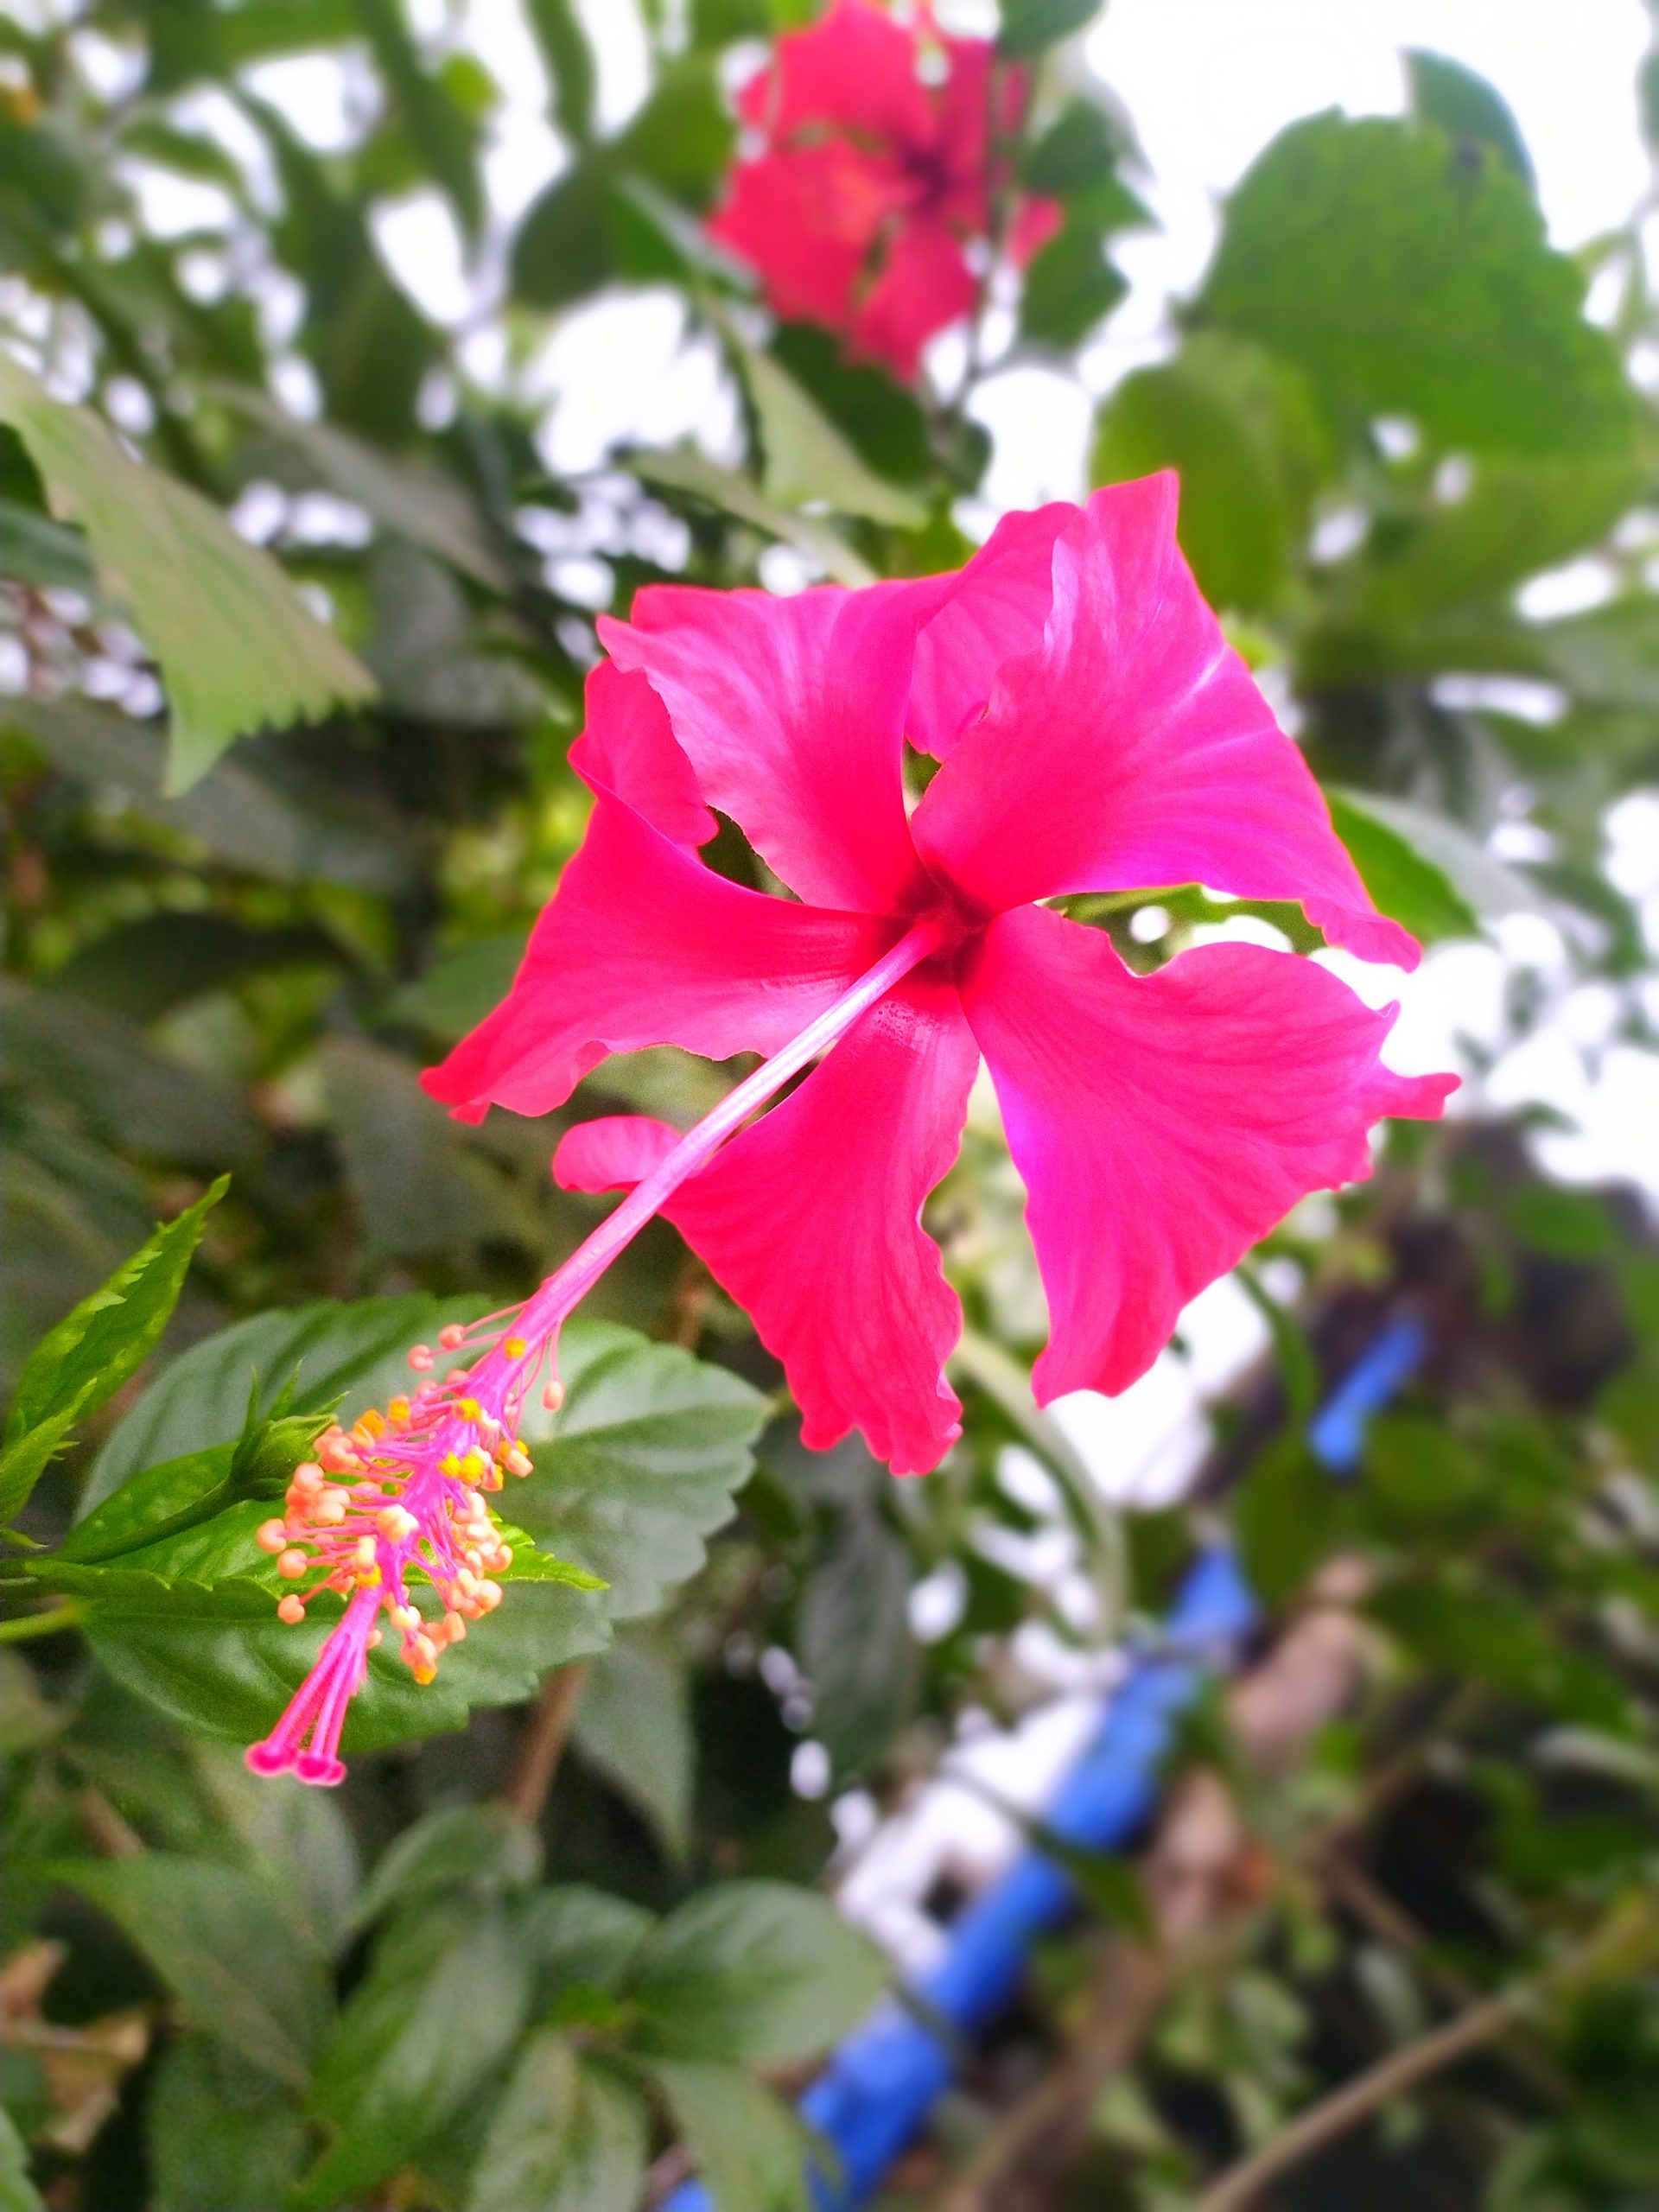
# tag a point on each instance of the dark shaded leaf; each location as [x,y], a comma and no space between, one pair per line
[856,1644]
[236,1958]
[753,1970]
[633,1726]
[479,1849]
[443,2005]
[567,2136]
[221,2138]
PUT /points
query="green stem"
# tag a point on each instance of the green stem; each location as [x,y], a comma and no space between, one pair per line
[25,1626]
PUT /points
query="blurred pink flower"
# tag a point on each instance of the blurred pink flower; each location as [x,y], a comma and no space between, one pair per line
[1095,732]
[873,179]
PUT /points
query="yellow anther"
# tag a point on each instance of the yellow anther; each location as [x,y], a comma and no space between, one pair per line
[425,1675]
[398,1409]
[468,1409]
[449,1465]
[515,1347]
[367,1577]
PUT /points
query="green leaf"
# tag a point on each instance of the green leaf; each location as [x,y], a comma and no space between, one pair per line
[563,249]
[416,1188]
[1030,25]
[753,1970]
[1466,107]
[682,137]
[296,1834]
[569,64]
[1401,881]
[1285,1513]
[567,2136]
[326,1349]
[807,459]
[41,552]
[1608,657]
[237,813]
[1513,521]
[1403,279]
[17,2192]
[90,1353]
[639,1465]
[885,424]
[443,132]
[633,1726]
[452,997]
[483,1849]
[686,470]
[236,1959]
[236,646]
[443,2003]
[856,1642]
[216,1657]
[145,968]
[1082,147]
[1479,885]
[579,1939]
[1070,285]
[220,2138]
[101,1064]
[1246,437]
[418,502]
[745,2143]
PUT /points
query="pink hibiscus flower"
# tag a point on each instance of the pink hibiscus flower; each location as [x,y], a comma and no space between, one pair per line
[872,179]
[1093,733]
[1097,733]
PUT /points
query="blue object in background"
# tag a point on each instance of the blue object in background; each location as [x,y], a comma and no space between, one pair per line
[880,2085]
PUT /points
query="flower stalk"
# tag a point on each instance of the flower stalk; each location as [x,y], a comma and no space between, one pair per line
[403,1492]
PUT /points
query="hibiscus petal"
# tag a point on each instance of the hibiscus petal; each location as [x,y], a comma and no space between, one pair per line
[997,610]
[856,68]
[792,712]
[811,1219]
[924,285]
[808,218]
[1163,1124]
[1132,750]
[627,748]
[643,945]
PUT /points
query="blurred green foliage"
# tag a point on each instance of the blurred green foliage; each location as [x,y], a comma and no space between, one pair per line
[1389,413]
